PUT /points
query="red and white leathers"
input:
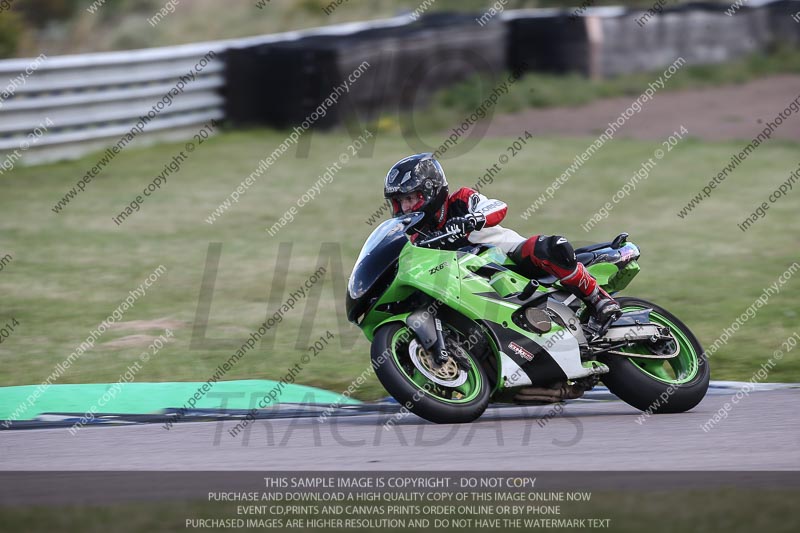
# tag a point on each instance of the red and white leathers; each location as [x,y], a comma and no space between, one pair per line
[551,254]
[466,201]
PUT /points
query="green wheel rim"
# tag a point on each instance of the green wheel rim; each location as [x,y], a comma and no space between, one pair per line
[464,393]
[674,371]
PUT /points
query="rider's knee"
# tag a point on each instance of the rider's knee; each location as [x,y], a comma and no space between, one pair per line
[557,250]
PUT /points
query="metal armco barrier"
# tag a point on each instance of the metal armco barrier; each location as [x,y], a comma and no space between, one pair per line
[94,99]
[90,101]
[87,102]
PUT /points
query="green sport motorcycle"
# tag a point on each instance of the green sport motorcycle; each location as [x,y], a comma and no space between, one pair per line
[452,330]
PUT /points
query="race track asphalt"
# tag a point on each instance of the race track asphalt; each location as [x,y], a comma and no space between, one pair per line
[761,432]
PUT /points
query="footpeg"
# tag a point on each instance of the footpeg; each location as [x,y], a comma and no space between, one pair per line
[597,326]
[595,330]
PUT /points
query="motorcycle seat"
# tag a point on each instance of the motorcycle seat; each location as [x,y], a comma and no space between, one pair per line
[618,241]
[592,247]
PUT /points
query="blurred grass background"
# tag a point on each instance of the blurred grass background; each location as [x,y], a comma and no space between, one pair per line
[69,271]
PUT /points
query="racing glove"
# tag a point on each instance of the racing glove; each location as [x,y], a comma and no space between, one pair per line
[466,224]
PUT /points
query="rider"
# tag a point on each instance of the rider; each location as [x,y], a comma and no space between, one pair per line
[417,184]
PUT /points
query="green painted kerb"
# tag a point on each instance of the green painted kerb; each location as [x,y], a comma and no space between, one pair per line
[148,398]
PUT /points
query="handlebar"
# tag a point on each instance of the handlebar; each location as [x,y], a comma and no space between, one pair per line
[437,238]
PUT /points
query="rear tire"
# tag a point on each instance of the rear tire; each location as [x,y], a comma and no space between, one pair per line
[395,370]
[647,384]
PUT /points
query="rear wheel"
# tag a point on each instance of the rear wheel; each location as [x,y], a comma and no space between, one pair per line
[671,385]
[449,394]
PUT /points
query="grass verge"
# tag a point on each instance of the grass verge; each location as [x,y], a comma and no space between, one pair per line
[69,271]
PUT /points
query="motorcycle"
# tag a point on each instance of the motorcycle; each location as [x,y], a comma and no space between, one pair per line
[452,330]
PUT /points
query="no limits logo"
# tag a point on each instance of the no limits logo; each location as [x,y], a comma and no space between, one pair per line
[520,351]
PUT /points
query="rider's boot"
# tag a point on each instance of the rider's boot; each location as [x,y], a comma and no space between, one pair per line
[603,308]
[555,255]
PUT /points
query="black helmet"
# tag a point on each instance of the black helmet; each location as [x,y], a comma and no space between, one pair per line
[423,174]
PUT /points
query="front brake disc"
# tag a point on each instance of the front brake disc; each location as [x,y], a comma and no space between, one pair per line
[447,375]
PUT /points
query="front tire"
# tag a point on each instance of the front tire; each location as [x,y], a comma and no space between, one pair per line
[413,390]
[659,386]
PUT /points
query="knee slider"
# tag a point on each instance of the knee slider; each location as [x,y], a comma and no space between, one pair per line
[557,250]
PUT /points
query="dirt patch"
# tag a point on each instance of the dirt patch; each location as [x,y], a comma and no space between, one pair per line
[130,341]
[713,114]
[145,325]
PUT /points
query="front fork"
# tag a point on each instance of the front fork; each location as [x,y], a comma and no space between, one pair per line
[428,329]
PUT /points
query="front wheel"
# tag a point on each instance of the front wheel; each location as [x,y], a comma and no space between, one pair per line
[657,386]
[446,395]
